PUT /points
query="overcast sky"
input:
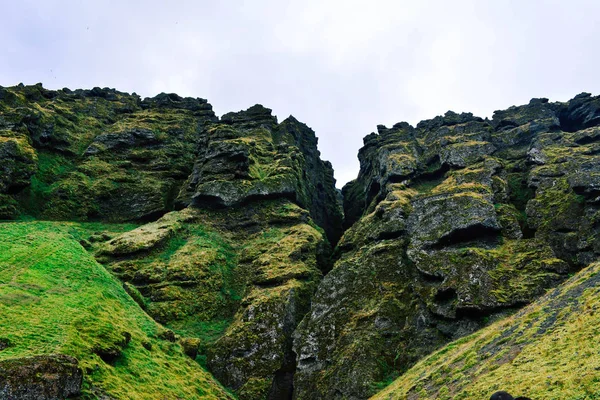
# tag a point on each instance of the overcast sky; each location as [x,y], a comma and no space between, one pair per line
[342,67]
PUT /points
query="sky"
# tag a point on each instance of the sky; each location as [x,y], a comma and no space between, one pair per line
[341,67]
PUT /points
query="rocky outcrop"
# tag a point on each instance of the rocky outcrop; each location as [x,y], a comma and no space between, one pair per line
[547,350]
[248,156]
[237,281]
[244,258]
[102,154]
[96,154]
[51,377]
[451,224]
[231,274]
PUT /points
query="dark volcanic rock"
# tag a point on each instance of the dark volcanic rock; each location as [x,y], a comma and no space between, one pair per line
[96,154]
[451,224]
[52,377]
[249,156]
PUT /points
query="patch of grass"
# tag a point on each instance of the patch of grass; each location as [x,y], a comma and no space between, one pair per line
[55,298]
[549,350]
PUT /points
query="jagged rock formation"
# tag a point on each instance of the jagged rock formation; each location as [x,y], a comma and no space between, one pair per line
[233,272]
[248,156]
[103,154]
[261,254]
[450,224]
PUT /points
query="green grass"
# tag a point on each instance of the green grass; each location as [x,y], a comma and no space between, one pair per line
[549,350]
[55,298]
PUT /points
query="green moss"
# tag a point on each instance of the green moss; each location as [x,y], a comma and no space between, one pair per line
[425,186]
[547,351]
[519,191]
[8,207]
[198,267]
[54,298]
[555,206]
[255,388]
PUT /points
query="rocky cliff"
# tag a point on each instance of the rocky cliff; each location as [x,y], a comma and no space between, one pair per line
[228,238]
[240,212]
[450,224]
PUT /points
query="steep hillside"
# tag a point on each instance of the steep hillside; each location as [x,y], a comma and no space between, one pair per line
[451,225]
[549,350]
[234,282]
[67,327]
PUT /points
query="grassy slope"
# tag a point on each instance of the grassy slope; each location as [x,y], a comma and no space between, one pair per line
[55,298]
[549,350]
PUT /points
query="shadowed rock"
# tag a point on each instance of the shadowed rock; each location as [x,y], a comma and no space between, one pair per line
[51,377]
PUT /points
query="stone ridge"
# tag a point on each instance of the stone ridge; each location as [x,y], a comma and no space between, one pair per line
[249,156]
[450,224]
[101,154]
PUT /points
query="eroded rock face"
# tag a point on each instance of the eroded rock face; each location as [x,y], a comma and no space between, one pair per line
[103,154]
[232,271]
[451,224]
[237,281]
[250,156]
[51,377]
[96,154]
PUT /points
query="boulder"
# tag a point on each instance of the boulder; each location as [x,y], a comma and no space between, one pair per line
[48,377]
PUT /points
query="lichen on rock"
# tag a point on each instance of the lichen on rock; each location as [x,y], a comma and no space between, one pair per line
[51,377]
